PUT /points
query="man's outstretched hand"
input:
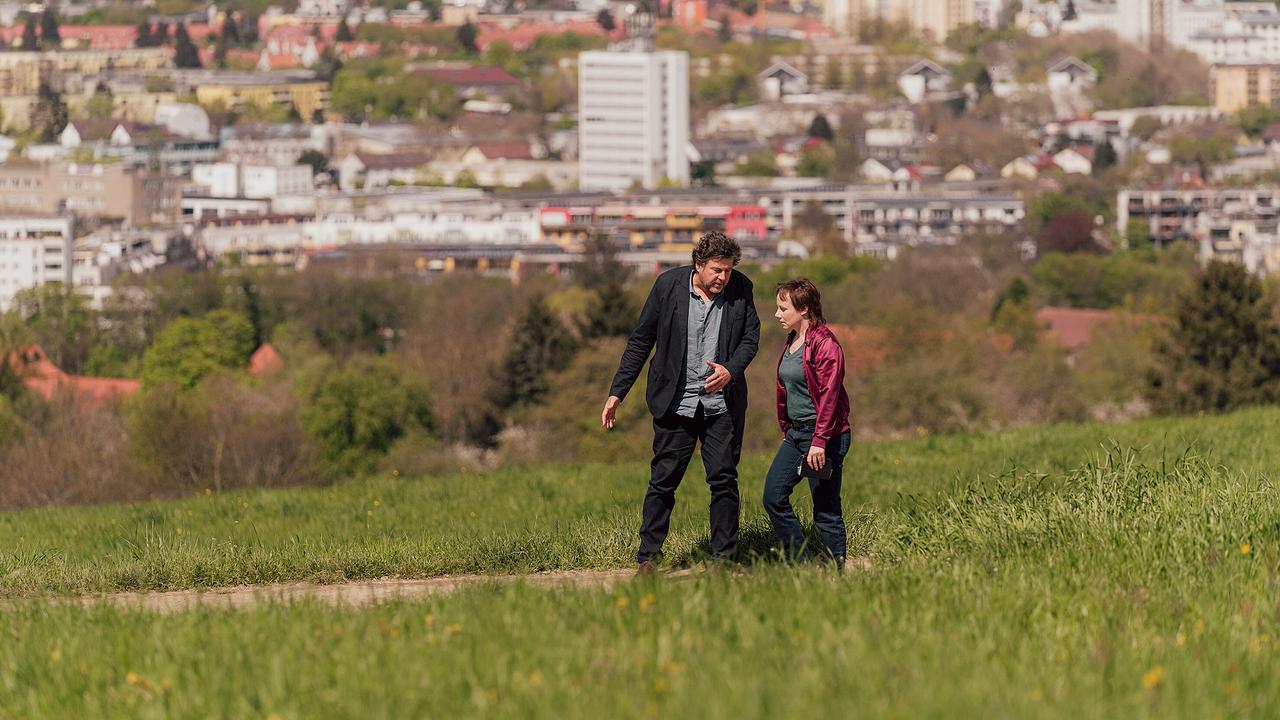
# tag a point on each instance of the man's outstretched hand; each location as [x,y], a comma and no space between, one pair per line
[719,378]
[610,409]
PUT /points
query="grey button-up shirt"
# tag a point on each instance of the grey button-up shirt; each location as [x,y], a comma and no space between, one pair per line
[704,336]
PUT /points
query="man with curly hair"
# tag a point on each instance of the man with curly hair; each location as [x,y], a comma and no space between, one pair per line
[700,324]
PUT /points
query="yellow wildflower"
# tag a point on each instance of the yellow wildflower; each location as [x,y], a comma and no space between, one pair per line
[56,655]
[622,602]
[132,678]
[1153,677]
[179,531]
[377,503]
[369,513]
[647,602]
[1245,548]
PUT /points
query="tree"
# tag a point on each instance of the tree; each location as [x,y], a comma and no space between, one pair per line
[761,164]
[1137,233]
[816,162]
[185,54]
[30,41]
[344,32]
[466,37]
[144,38]
[49,35]
[1104,156]
[821,128]
[220,48]
[1254,119]
[540,344]
[835,75]
[50,115]
[1068,232]
[188,350]
[1223,348]
[602,273]
[983,84]
[1070,12]
[161,36]
[318,161]
[102,104]
[356,412]
[230,32]
[724,33]
[59,319]
[605,20]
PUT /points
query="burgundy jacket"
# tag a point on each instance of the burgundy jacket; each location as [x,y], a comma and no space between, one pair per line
[823,361]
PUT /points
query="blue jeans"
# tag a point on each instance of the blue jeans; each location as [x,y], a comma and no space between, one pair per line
[783,478]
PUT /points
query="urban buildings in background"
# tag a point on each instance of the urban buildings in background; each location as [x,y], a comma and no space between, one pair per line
[633,114]
[508,156]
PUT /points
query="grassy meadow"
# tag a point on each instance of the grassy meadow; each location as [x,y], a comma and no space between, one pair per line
[558,517]
[1076,571]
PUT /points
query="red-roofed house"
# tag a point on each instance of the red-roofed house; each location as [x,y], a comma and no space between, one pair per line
[522,37]
[373,170]
[1072,328]
[499,151]
[40,376]
[99,37]
[265,361]
[504,164]
[470,80]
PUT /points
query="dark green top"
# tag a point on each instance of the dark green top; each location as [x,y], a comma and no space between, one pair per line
[800,410]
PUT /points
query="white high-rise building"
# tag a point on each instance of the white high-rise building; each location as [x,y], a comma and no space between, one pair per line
[34,251]
[633,118]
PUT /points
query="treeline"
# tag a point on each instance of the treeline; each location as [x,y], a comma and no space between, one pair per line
[383,372]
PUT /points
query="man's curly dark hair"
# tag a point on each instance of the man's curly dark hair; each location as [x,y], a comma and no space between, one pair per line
[716,244]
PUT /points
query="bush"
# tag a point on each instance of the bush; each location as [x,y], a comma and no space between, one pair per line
[356,413]
[70,457]
[222,435]
[189,350]
[1223,349]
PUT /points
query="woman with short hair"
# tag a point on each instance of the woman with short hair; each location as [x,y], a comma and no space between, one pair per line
[813,412]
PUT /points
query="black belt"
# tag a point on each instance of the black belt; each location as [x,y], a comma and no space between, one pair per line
[799,426]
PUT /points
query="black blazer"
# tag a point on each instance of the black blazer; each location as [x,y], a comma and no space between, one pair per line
[664,325]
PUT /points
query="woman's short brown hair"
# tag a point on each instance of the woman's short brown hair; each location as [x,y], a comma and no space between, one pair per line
[804,295]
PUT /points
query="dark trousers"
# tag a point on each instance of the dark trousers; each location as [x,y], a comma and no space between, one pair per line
[782,479]
[674,438]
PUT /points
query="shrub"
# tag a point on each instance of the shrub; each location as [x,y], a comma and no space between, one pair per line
[189,350]
[222,435]
[356,412]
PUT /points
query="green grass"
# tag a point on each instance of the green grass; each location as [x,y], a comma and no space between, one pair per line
[519,519]
[1123,588]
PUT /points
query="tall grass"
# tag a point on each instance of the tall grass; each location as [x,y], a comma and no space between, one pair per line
[572,516]
[1123,588]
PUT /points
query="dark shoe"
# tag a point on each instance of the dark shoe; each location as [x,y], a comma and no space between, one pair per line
[646,568]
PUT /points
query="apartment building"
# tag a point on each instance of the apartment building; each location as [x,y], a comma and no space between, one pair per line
[22,72]
[34,251]
[246,180]
[633,114]
[299,88]
[110,192]
[875,221]
[1246,83]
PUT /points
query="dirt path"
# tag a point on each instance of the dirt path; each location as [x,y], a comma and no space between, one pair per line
[365,592]
[368,592]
